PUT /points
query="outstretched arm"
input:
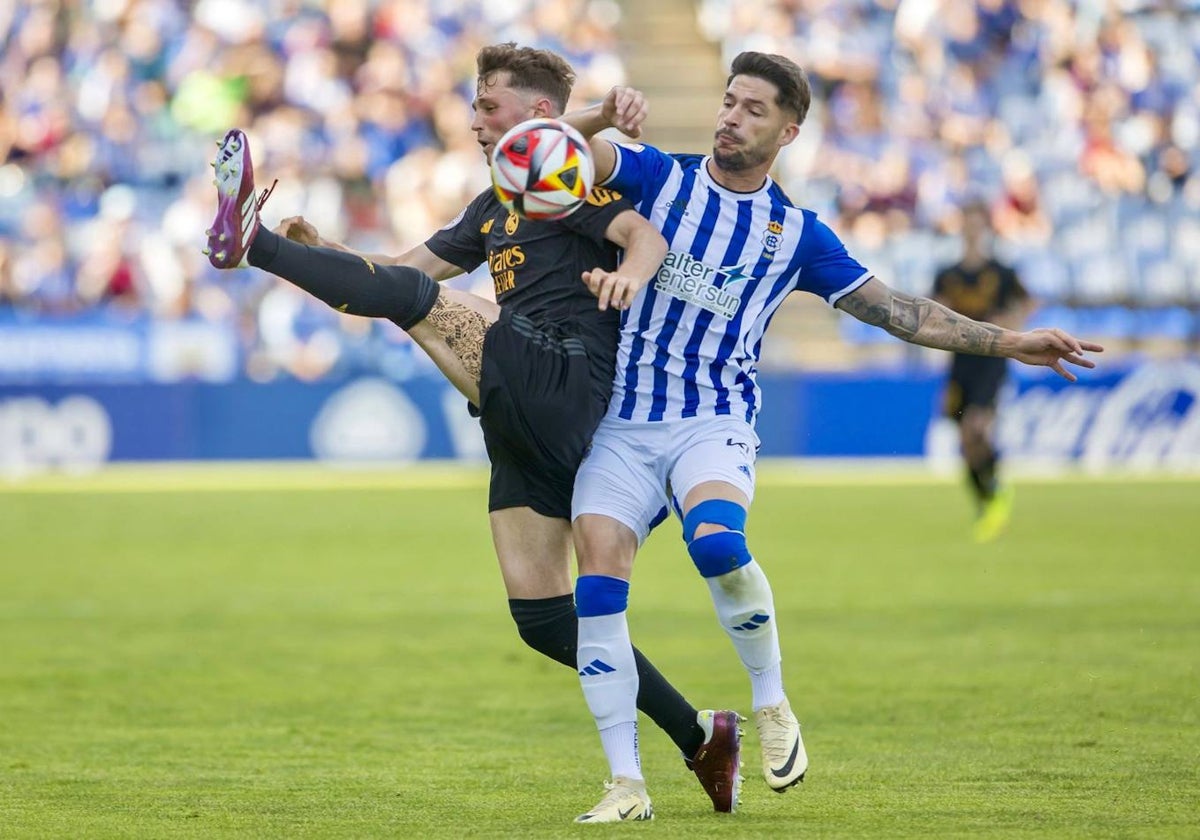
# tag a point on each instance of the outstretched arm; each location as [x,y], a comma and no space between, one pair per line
[625,109]
[645,250]
[922,321]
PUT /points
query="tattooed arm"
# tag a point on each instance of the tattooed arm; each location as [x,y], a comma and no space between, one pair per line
[922,321]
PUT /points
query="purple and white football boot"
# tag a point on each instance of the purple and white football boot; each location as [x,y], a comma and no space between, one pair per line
[236,222]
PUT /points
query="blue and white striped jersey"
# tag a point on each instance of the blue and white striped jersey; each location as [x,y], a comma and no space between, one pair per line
[690,342]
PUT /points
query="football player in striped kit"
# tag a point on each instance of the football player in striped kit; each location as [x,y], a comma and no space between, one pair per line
[679,432]
[543,347]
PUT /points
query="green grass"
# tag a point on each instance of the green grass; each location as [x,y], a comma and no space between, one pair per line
[310,654]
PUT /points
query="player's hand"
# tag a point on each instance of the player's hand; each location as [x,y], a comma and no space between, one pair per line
[625,109]
[1052,347]
[612,288]
[297,229]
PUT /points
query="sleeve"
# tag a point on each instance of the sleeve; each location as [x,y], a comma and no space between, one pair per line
[640,171]
[595,215]
[826,269]
[460,242]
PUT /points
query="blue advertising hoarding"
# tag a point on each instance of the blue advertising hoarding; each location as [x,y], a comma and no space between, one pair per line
[1144,416]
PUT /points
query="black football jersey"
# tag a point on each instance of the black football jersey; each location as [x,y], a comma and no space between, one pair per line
[979,293]
[537,267]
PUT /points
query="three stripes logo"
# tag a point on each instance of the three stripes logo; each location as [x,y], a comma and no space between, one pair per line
[248,216]
[595,668]
[755,621]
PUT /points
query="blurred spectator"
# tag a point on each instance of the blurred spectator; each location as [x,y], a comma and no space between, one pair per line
[43,274]
[108,112]
[1078,121]
[1114,169]
[1019,215]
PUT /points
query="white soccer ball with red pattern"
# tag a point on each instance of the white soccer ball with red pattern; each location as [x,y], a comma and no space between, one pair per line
[542,169]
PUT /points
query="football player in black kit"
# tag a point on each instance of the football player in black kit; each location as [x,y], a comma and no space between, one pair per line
[983,288]
[536,365]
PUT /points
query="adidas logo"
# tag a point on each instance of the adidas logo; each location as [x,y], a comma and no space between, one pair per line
[247,215]
[757,620]
[595,668]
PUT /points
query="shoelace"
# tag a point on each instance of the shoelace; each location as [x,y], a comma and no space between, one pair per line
[264,195]
[779,736]
[613,793]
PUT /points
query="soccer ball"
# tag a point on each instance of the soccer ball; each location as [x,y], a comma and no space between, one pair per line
[542,169]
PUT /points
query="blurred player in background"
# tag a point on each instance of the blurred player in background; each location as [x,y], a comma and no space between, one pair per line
[536,365]
[981,287]
[680,425]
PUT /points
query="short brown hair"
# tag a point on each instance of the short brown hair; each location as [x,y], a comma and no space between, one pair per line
[789,79]
[540,71]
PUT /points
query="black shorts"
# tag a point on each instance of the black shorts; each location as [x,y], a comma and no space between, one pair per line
[974,381]
[540,403]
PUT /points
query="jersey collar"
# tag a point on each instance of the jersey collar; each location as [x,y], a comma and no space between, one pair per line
[707,180]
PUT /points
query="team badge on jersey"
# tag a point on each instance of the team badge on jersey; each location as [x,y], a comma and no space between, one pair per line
[772,239]
[510,224]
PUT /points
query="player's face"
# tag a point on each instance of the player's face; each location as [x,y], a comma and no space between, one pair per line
[498,107]
[976,225]
[751,127]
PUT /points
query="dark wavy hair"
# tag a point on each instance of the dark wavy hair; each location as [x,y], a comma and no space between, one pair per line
[791,82]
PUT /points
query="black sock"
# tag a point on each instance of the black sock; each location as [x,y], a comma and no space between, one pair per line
[345,281]
[983,477]
[550,626]
[660,701]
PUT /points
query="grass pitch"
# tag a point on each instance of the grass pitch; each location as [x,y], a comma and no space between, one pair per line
[283,653]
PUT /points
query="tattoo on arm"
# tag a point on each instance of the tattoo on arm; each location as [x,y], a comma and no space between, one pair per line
[928,323]
[463,330]
[908,315]
[875,314]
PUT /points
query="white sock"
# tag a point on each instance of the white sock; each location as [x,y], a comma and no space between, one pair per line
[621,749]
[766,687]
[609,678]
[746,609]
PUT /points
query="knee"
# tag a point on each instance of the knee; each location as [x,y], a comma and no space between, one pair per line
[548,625]
[976,424]
[604,546]
[407,296]
[715,532]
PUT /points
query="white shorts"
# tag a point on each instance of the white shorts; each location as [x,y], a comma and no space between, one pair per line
[633,470]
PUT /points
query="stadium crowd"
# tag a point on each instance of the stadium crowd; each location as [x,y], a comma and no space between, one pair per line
[360,108]
[1080,119]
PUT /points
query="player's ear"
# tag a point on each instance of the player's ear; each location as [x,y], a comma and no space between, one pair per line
[788,134]
[544,109]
